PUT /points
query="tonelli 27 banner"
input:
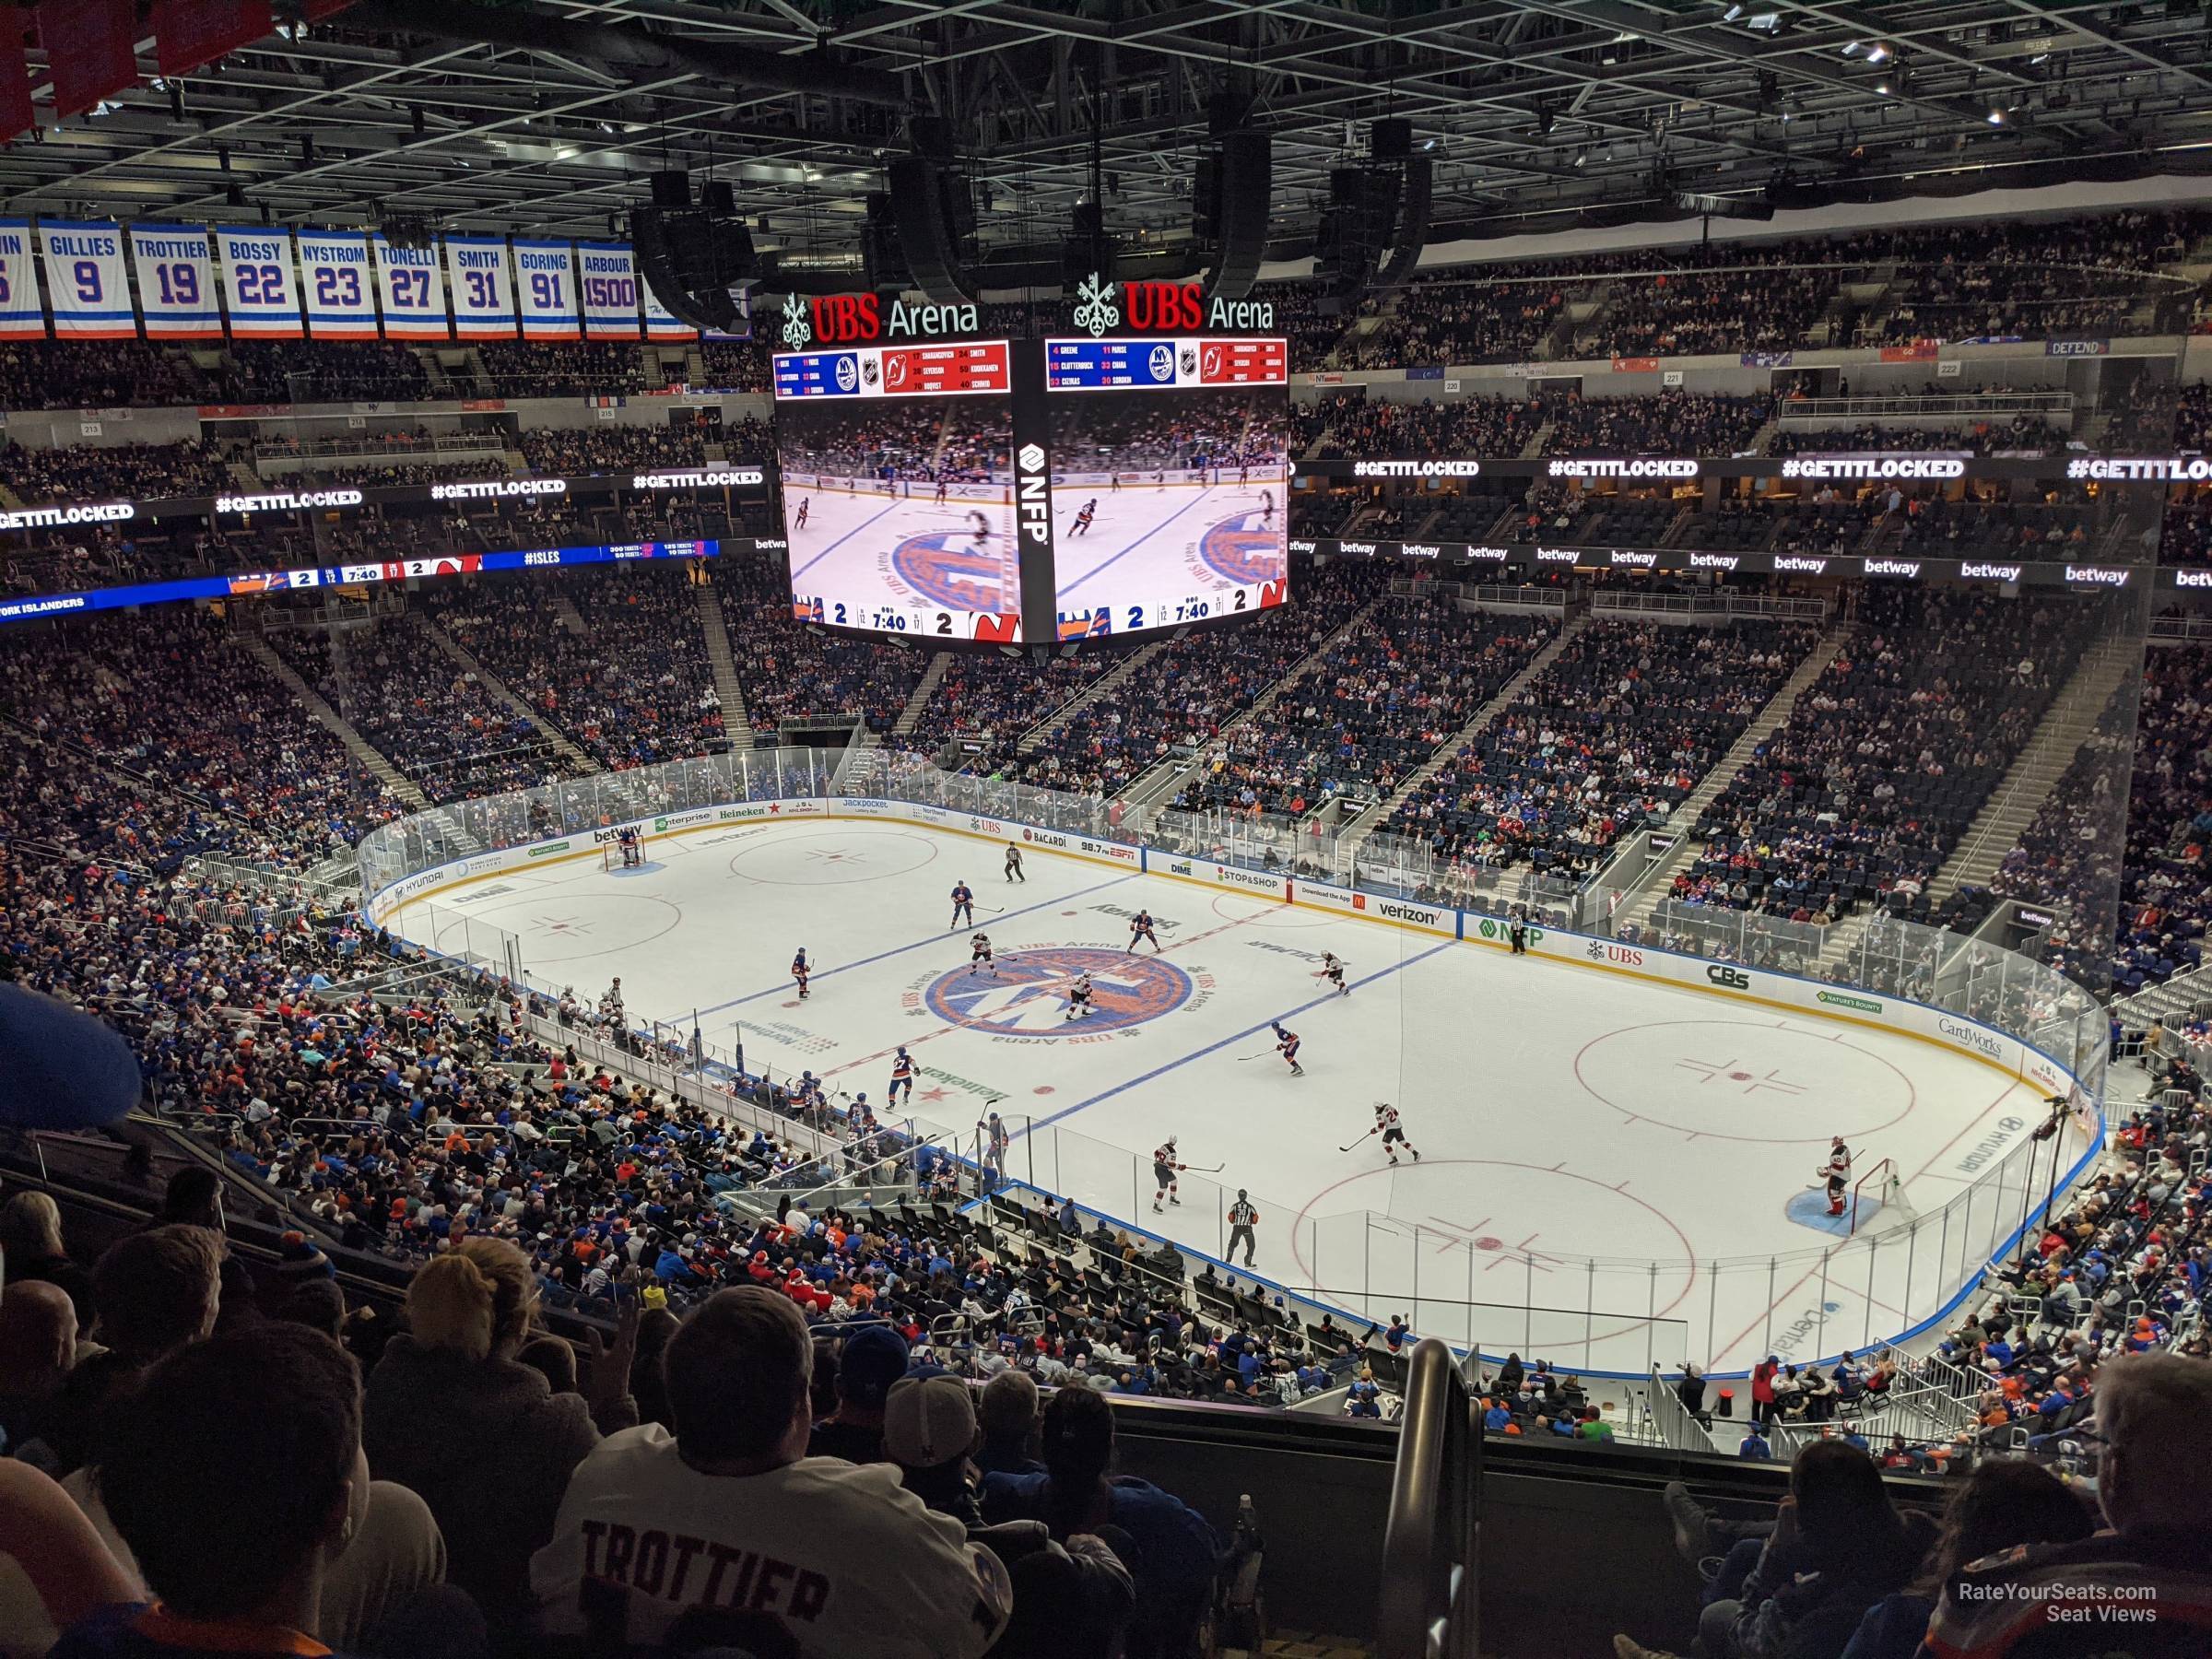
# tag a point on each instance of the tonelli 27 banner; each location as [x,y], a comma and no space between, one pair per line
[607,278]
[414,298]
[341,290]
[176,282]
[84,280]
[258,276]
[21,315]
[544,282]
[483,301]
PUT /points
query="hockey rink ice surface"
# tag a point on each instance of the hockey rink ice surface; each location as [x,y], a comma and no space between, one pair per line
[1150,543]
[910,552]
[1562,1114]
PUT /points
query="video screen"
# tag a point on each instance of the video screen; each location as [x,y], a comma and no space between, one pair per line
[1169,482]
[897,470]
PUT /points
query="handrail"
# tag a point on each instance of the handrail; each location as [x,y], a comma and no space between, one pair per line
[1429,1543]
[1960,404]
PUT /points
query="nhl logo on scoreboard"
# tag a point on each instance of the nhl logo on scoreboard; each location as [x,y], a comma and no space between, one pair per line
[868,371]
[1190,361]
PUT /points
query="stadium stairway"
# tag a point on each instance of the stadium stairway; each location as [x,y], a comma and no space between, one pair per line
[397,781]
[492,683]
[1643,897]
[2013,804]
[711,625]
[1357,836]
[1159,784]
[2071,723]
[926,688]
[1035,738]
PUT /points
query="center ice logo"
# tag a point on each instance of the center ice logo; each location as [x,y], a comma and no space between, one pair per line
[1030,996]
[947,568]
[1242,550]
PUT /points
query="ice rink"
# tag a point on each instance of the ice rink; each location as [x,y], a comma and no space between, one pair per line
[861,552]
[1600,1154]
[1180,543]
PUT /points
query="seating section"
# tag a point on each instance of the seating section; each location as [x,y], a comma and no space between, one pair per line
[1608,739]
[139,471]
[788,671]
[1674,423]
[575,450]
[998,698]
[303,371]
[2166,882]
[1887,758]
[1371,710]
[1355,426]
[615,659]
[560,368]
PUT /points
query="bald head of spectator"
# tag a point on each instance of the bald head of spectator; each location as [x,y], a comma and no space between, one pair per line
[2154,1414]
[158,1290]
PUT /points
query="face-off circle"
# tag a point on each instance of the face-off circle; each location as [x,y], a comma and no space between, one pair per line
[1745,1080]
[1028,997]
[950,567]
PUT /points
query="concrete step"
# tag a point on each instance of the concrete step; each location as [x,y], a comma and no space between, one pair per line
[571,617]
[735,724]
[924,688]
[367,753]
[561,743]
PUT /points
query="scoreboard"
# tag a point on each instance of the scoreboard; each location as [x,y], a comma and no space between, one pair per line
[1140,365]
[963,368]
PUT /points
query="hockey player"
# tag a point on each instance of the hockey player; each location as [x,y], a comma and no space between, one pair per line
[940,496]
[1140,927]
[1078,998]
[798,519]
[1286,1042]
[902,1076]
[1243,1215]
[994,1132]
[1164,1166]
[1332,970]
[1014,864]
[979,527]
[963,905]
[1267,509]
[1837,1174]
[1392,1132]
[979,957]
[1084,515]
[801,970]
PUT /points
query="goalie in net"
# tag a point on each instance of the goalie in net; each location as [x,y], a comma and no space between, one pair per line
[627,851]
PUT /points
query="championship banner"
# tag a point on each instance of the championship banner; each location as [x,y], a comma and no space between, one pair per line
[607,276]
[21,315]
[341,290]
[545,276]
[407,284]
[483,300]
[661,323]
[176,282]
[257,277]
[84,280]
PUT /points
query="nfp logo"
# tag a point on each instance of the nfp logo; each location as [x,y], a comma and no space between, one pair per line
[1028,998]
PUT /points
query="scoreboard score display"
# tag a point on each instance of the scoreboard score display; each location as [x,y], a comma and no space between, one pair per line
[898,488]
[1169,480]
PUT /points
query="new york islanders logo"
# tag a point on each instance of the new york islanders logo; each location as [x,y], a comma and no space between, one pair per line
[1244,550]
[952,569]
[1028,998]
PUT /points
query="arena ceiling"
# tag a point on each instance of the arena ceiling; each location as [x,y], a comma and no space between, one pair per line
[544,116]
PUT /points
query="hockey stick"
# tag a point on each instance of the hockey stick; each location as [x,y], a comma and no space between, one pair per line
[1242,1058]
[1206,1168]
[1355,1142]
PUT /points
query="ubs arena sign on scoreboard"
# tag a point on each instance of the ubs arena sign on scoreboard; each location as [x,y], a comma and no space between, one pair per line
[897,480]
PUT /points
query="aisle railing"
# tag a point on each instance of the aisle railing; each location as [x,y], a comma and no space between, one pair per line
[1431,1542]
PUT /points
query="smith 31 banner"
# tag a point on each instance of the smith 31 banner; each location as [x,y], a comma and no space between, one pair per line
[661,323]
[414,299]
[176,282]
[544,276]
[341,297]
[607,277]
[483,300]
[21,315]
[84,280]
[258,276]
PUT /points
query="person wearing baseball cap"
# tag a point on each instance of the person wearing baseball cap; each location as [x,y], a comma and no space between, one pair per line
[928,1430]
[873,1358]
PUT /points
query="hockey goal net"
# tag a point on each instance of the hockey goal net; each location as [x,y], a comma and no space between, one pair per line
[1879,1192]
[610,855]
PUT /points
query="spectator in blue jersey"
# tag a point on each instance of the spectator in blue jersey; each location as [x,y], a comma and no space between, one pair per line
[1175,1546]
[1754,1444]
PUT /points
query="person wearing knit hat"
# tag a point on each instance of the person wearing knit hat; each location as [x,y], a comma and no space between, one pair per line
[928,1430]
[873,1358]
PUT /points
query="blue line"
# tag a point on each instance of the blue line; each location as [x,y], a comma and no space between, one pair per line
[1139,542]
[918,944]
[1157,1071]
[848,535]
